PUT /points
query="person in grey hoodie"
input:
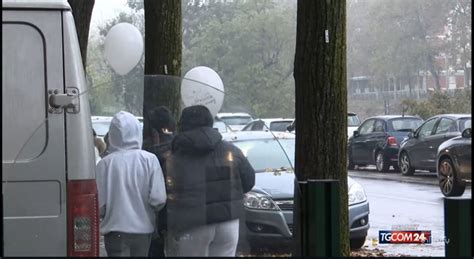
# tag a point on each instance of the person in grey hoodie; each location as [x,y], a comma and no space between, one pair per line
[206,180]
[131,190]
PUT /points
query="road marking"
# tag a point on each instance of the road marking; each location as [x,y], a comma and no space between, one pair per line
[403,199]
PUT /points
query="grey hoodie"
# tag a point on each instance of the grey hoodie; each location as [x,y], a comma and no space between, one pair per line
[129,180]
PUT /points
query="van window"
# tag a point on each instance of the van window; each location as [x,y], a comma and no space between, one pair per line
[24,89]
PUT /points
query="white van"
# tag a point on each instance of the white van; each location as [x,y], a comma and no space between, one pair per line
[49,192]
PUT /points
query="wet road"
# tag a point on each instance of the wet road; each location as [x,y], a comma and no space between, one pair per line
[396,200]
[394,203]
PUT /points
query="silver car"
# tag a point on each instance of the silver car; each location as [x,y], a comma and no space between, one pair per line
[269,205]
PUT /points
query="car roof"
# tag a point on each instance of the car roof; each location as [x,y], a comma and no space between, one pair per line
[256,135]
[269,120]
[101,118]
[389,117]
[452,115]
[233,114]
[36,4]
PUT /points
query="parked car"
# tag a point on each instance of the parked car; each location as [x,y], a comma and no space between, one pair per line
[420,148]
[101,125]
[236,120]
[273,124]
[49,191]
[269,205]
[220,126]
[377,141]
[353,123]
[454,164]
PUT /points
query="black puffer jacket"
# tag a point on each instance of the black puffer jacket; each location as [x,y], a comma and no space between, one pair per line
[207,178]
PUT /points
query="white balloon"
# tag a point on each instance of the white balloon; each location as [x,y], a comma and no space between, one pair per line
[202,85]
[123,47]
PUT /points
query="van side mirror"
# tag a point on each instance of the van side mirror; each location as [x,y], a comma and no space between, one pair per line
[356,133]
[466,133]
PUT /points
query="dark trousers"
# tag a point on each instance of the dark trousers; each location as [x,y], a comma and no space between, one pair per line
[157,246]
[125,244]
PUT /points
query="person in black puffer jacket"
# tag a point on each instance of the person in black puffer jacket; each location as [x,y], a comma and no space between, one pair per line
[206,180]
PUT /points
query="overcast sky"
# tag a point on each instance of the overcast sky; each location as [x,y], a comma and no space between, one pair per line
[105,10]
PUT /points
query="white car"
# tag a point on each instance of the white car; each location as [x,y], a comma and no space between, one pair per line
[353,123]
[273,124]
[101,124]
[220,126]
[235,120]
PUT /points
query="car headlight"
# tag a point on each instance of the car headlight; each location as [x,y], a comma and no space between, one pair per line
[258,201]
[356,194]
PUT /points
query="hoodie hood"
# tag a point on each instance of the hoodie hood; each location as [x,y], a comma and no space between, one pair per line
[202,139]
[125,132]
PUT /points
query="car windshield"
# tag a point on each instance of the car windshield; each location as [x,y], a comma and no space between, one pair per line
[266,154]
[464,123]
[101,128]
[405,124]
[353,120]
[279,125]
[236,120]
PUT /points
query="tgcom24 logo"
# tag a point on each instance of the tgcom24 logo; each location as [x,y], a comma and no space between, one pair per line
[404,237]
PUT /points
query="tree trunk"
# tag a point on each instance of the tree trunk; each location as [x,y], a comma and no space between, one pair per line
[410,85]
[433,71]
[82,13]
[321,98]
[163,47]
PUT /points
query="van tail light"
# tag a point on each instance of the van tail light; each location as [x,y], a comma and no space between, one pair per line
[82,218]
[392,141]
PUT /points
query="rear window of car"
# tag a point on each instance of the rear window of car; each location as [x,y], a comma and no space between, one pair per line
[405,124]
[236,120]
[279,125]
[220,126]
[101,128]
[353,120]
[464,123]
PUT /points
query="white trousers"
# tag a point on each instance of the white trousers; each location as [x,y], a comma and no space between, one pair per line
[219,239]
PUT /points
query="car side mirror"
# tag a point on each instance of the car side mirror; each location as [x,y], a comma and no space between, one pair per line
[411,134]
[291,127]
[466,133]
[356,133]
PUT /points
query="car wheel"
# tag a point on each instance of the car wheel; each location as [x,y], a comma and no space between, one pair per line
[350,164]
[357,243]
[405,165]
[448,180]
[381,163]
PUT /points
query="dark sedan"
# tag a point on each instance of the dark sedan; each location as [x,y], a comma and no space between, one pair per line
[454,164]
[419,150]
[377,140]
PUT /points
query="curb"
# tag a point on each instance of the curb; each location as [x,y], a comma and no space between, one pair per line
[401,179]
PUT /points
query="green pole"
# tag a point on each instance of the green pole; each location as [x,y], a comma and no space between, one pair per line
[457,227]
[321,235]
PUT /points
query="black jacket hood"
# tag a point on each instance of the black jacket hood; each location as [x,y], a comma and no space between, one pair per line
[203,139]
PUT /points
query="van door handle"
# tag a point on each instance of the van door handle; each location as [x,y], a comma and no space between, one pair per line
[68,101]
